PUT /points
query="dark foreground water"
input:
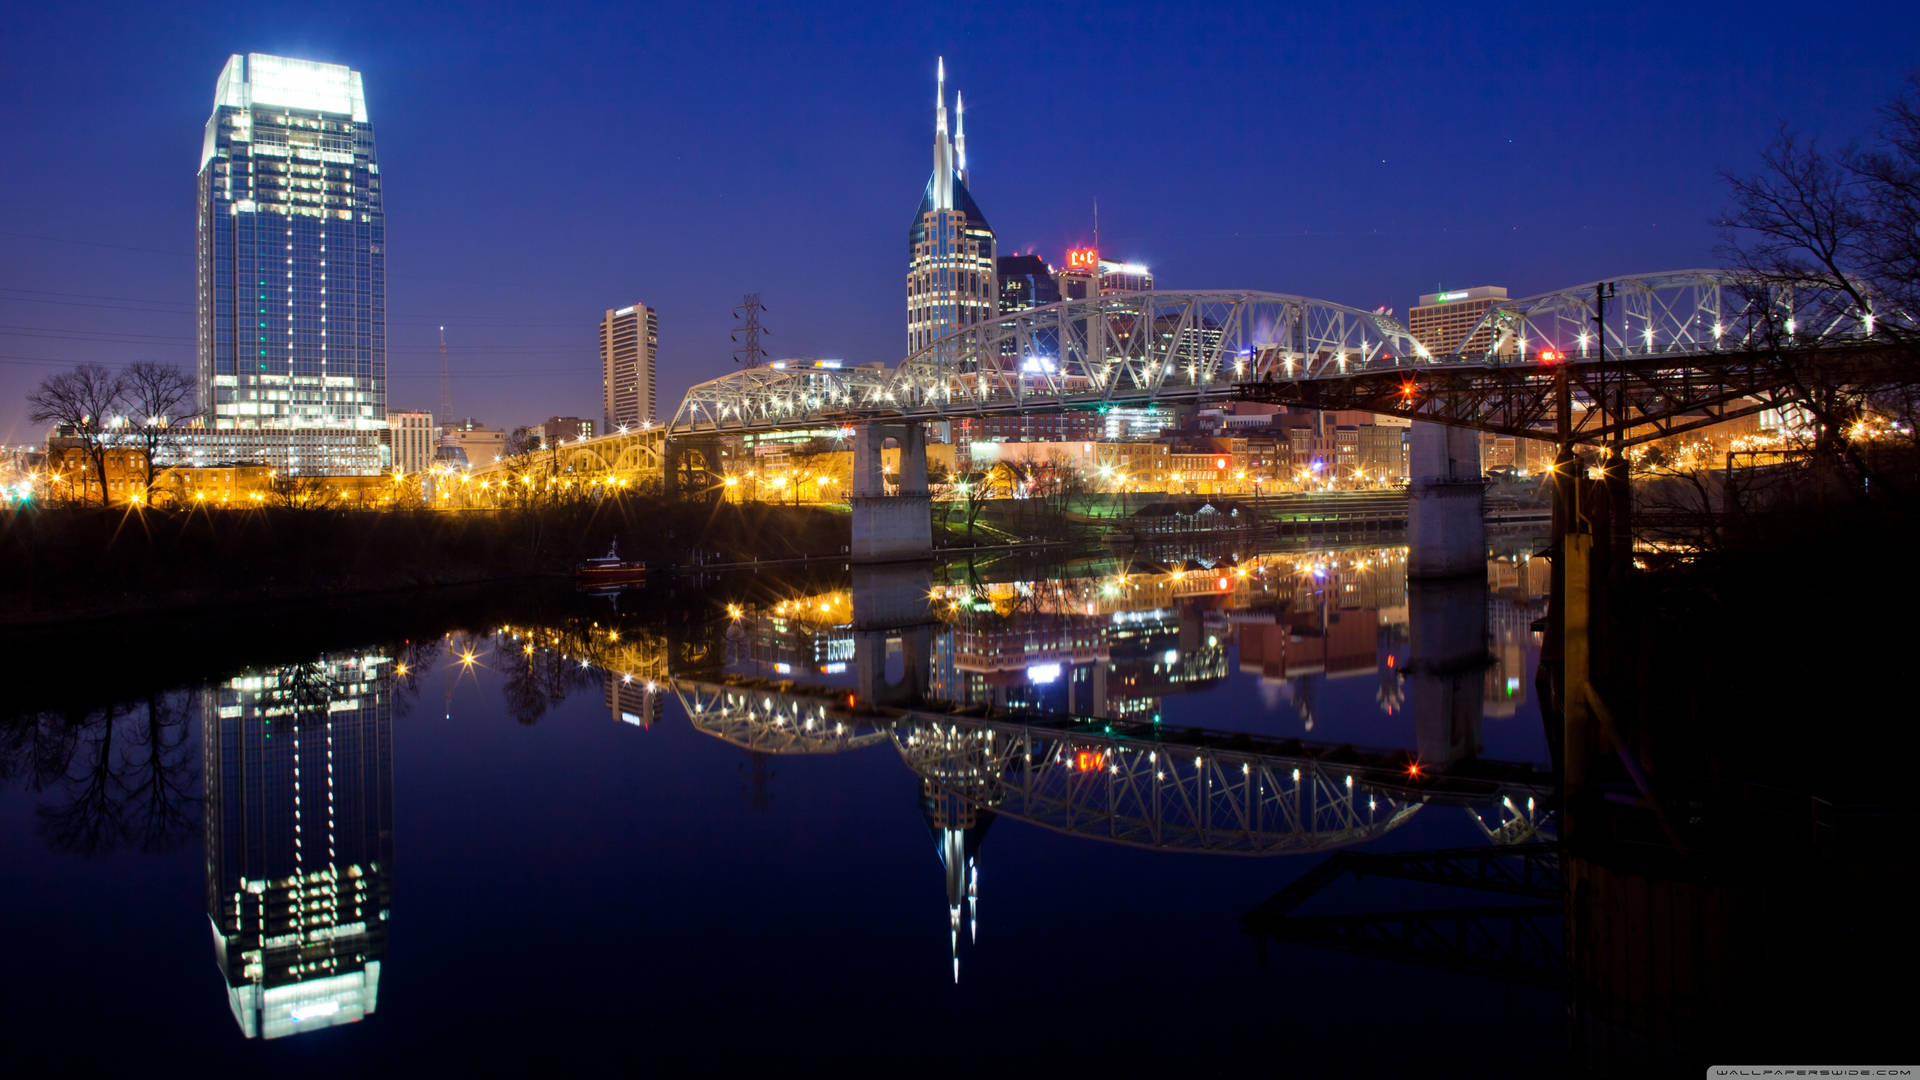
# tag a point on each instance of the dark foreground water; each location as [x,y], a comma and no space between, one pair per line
[608,834]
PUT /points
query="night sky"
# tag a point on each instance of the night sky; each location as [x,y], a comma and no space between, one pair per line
[543,165]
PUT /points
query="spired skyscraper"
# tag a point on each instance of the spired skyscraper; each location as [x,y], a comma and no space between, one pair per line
[292,266]
[950,248]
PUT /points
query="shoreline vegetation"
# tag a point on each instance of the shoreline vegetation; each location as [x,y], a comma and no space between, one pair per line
[71,564]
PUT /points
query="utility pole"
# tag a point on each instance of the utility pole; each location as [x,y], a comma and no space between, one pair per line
[749,354]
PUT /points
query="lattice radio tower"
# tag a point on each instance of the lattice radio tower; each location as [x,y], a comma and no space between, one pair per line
[446,395]
[749,354]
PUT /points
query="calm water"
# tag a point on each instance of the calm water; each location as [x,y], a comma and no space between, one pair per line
[651,830]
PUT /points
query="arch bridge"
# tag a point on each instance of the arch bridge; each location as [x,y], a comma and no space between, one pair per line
[634,458]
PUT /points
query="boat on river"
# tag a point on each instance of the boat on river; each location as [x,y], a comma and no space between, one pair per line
[609,569]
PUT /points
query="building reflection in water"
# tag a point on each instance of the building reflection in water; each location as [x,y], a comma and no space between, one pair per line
[299,839]
[1091,659]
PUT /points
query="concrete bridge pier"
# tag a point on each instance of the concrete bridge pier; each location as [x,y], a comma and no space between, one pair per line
[892,617]
[897,527]
[1447,661]
[1446,520]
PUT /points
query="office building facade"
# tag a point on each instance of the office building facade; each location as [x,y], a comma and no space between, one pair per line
[1026,281]
[950,247]
[1115,277]
[1442,320]
[411,436]
[629,344]
[291,252]
[566,429]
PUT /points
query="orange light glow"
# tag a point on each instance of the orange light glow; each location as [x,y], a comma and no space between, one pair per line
[1413,769]
[1088,760]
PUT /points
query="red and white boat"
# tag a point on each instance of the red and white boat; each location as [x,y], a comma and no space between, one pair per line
[610,569]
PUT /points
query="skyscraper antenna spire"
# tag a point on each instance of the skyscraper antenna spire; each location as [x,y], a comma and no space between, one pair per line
[960,136]
[942,149]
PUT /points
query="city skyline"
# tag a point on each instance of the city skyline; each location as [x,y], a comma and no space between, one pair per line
[113,283]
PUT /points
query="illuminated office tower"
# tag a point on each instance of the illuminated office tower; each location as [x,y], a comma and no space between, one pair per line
[292,265]
[298,776]
[1442,320]
[950,248]
[629,340]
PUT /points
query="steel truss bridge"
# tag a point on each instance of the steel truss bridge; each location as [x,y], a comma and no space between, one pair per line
[1136,784]
[1687,347]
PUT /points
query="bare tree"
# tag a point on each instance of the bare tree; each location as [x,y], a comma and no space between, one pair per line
[303,493]
[88,401]
[1839,229]
[521,440]
[159,398]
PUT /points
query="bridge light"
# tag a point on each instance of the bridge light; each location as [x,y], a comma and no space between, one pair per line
[1088,760]
[1551,356]
[1413,769]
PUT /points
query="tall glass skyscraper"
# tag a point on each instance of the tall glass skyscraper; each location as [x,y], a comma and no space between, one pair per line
[950,246]
[292,252]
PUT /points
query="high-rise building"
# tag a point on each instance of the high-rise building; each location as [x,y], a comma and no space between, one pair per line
[1026,281]
[298,781]
[1076,283]
[412,435]
[1442,320]
[950,247]
[629,340]
[291,253]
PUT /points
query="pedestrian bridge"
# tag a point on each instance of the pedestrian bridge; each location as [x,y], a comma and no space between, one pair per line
[1692,347]
[1173,347]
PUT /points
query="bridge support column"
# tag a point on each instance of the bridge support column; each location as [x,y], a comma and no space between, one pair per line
[890,605]
[1619,539]
[1446,521]
[1447,660]
[891,528]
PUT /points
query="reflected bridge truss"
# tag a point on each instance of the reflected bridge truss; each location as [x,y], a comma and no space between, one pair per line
[1142,785]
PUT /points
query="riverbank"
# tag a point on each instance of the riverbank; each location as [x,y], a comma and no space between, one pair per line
[65,565]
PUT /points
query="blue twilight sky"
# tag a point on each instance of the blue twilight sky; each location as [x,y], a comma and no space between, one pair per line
[545,163]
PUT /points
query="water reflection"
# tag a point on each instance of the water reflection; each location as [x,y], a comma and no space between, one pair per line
[298,780]
[1043,700]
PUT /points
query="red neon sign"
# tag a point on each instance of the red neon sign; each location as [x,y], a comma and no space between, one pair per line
[1083,259]
[1088,760]
[1549,356]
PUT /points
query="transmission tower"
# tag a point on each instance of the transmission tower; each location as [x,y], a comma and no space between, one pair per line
[446,395]
[749,354]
